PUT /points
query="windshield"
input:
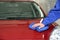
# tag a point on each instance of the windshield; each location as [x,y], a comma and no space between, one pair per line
[18,10]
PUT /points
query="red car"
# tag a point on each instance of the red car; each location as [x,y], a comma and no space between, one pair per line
[15,17]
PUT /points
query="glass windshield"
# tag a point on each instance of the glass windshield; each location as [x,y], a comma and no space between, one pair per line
[18,10]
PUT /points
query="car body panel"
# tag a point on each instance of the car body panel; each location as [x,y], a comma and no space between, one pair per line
[18,30]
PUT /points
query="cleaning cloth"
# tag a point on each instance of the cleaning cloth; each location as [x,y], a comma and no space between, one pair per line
[38,27]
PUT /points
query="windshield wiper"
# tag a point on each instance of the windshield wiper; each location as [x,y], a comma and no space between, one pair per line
[18,18]
[13,18]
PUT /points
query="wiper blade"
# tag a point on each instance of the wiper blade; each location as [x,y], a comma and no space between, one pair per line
[18,18]
[11,18]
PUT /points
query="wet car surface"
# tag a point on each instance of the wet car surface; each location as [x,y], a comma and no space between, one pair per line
[15,18]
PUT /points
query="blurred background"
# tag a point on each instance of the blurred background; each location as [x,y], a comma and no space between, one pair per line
[47,5]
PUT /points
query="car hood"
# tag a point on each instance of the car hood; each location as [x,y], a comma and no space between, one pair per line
[18,30]
[16,23]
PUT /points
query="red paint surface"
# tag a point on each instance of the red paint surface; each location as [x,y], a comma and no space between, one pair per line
[18,30]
